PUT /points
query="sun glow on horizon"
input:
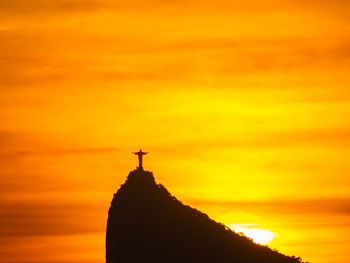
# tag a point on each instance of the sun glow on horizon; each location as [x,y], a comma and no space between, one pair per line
[259,235]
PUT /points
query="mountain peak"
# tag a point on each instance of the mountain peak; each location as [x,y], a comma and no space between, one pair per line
[140,178]
[147,224]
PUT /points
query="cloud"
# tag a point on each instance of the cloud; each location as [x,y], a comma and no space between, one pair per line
[268,139]
[54,152]
[50,56]
[77,5]
[40,6]
[18,144]
[31,166]
[322,206]
[29,218]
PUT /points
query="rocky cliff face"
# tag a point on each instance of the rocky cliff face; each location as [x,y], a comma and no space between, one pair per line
[147,224]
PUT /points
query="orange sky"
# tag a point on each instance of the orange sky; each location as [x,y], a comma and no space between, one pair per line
[244,106]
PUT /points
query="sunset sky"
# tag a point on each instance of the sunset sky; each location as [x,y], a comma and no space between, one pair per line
[244,107]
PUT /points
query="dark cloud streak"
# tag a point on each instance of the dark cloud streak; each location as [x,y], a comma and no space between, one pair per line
[322,206]
[25,218]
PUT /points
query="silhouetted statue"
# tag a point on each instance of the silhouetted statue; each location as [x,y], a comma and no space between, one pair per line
[147,224]
[140,154]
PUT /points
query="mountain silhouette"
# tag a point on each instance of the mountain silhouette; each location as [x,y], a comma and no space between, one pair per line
[147,224]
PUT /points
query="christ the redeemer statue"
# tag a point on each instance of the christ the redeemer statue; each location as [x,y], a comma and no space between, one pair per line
[140,154]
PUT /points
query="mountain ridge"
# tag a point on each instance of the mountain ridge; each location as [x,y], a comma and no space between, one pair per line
[148,224]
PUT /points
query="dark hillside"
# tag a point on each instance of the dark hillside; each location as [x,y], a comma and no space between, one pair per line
[147,224]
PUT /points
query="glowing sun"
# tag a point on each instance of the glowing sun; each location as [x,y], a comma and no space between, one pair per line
[259,235]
